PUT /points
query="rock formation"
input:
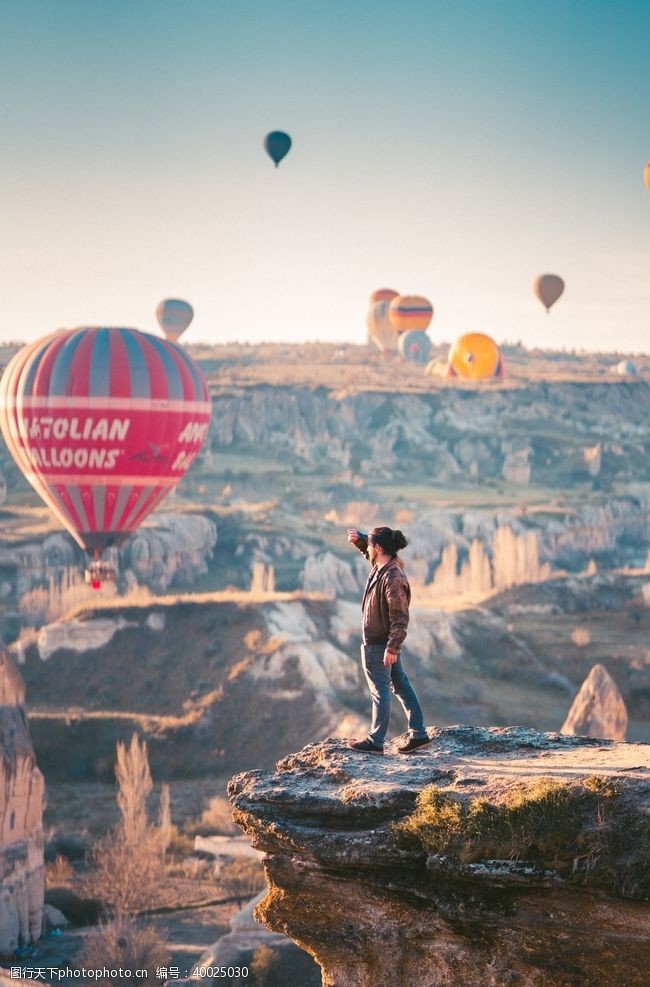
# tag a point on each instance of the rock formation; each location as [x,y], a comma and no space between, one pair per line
[599,709]
[515,561]
[249,944]
[45,579]
[491,857]
[172,550]
[21,819]
[326,573]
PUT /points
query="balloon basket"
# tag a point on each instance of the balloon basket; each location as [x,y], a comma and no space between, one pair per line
[99,572]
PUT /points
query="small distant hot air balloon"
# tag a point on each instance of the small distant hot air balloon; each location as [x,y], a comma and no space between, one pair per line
[277,145]
[646,176]
[436,367]
[383,295]
[475,356]
[380,328]
[103,422]
[415,346]
[174,316]
[410,312]
[626,368]
[548,288]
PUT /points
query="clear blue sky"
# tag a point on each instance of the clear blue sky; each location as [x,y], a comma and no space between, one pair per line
[451,149]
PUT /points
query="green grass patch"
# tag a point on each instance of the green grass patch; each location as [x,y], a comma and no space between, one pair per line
[585,831]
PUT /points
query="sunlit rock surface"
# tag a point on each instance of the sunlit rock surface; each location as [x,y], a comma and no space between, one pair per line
[376,909]
[21,819]
[78,635]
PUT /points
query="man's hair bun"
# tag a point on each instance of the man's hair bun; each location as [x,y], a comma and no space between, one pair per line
[390,541]
[399,540]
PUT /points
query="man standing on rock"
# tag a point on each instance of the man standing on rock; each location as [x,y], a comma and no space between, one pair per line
[385,607]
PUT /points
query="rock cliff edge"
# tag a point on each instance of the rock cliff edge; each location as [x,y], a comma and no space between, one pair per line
[21,818]
[490,857]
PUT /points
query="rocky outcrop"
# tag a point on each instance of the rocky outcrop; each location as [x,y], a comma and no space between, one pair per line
[21,819]
[172,550]
[326,573]
[78,635]
[598,710]
[270,956]
[490,857]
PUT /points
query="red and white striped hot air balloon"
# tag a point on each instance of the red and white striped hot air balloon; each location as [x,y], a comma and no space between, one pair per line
[103,422]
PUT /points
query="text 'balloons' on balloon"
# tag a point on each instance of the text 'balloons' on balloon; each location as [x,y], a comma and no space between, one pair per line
[174,316]
[408,312]
[380,328]
[475,356]
[103,422]
[415,346]
[383,295]
[646,176]
[548,288]
[277,145]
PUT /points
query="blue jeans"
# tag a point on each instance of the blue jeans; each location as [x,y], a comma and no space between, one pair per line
[382,680]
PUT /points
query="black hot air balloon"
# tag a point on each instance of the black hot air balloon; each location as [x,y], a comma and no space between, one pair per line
[277,145]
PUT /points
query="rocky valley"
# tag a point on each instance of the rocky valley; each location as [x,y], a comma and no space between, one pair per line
[231,639]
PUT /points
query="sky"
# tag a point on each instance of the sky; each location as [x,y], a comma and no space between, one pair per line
[449,149]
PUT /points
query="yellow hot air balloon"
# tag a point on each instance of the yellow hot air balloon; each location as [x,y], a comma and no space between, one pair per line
[548,288]
[475,356]
[646,176]
[380,328]
[410,312]
[383,295]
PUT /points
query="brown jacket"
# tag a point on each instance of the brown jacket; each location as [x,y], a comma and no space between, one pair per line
[385,603]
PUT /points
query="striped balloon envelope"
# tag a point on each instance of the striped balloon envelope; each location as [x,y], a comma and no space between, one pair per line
[383,295]
[410,312]
[103,422]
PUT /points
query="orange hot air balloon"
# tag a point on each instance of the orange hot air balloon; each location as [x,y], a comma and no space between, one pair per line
[548,288]
[475,356]
[380,328]
[646,176]
[410,312]
[383,295]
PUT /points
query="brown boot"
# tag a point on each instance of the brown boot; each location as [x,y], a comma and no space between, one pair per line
[413,743]
[365,747]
